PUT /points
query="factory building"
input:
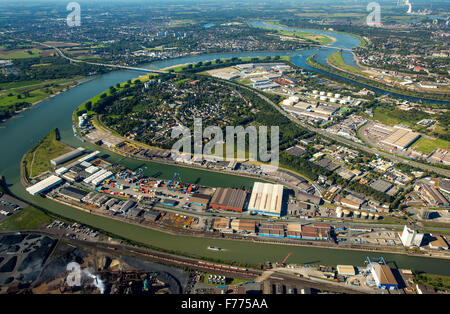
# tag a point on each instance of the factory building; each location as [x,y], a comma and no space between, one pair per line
[383,276]
[271,230]
[200,199]
[346,270]
[221,224]
[301,196]
[66,157]
[266,199]
[411,237]
[73,193]
[168,202]
[294,231]
[401,138]
[229,199]
[44,185]
[242,225]
[152,215]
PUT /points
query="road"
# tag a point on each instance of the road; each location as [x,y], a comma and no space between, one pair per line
[62,55]
[347,142]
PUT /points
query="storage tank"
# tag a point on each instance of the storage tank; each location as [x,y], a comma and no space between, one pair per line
[315,92]
[371,215]
[357,214]
[377,216]
[330,94]
[364,215]
[322,93]
[337,95]
[323,98]
[333,100]
[346,212]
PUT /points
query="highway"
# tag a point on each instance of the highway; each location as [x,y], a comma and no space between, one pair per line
[123,67]
[347,142]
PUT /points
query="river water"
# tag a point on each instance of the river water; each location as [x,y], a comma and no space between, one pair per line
[21,133]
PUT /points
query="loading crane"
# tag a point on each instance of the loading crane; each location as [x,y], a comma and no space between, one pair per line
[283,263]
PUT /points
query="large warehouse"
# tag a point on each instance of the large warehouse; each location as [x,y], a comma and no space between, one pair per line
[229,199]
[66,157]
[401,138]
[266,199]
[383,276]
[44,185]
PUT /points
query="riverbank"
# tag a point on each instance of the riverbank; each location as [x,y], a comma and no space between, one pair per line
[77,82]
[370,84]
[255,239]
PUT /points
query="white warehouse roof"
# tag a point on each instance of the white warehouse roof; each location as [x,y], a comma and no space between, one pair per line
[44,185]
[266,198]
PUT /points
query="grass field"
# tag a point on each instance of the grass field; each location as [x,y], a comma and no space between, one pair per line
[31,91]
[435,281]
[180,68]
[20,53]
[320,39]
[427,145]
[28,218]
[336,60]
[37,160]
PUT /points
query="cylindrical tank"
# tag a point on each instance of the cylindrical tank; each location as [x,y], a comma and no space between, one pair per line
[357,213]
[346,212]
[371,215]
[377,216]
[364,215]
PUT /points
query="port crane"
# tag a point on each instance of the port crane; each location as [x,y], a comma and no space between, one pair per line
[283,263]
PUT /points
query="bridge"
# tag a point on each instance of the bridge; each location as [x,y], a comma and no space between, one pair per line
[116,66]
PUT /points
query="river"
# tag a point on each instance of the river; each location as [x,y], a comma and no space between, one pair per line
[21,133]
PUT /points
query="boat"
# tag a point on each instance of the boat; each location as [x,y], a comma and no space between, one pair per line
[213,248]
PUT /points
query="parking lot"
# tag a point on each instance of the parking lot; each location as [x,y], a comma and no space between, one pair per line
[9,205]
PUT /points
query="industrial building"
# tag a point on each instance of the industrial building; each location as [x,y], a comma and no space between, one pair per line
[243,225]
[271,230]
[200,199]
[152,215]
[440,155]
[346,270]
[294,231]
[66,157]
[401,138]
[439,243]
[266,199]
[431,195]
[229,199]
[44,185]
[89,157]
[301,196]
[383,276]
[411,237]
[73,193]
[381,186]
[221,223]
